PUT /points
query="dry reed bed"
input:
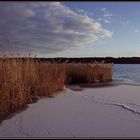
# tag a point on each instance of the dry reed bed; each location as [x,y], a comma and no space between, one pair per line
[22,81]
[88,73]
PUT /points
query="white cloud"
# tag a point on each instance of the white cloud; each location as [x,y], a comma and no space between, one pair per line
[103,9]
[136,30]
[125,22]
[107,15]
[81,11]
[88,12]
[106,21]
[46,27]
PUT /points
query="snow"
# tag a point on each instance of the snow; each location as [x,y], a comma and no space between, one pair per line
[89,112]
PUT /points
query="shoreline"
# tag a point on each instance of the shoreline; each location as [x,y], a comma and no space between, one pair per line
[81,86]
[13,114]
[74,87]
[26,106]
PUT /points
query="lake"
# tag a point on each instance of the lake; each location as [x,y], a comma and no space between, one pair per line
[126,73]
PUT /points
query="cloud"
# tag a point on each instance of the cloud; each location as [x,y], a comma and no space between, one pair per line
[103,9]
[125,22]
[136,30]
[88,12]
[106,21]
[46,27]
[107,15]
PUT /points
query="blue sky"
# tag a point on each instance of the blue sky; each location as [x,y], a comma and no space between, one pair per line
[125,25]
[71,29]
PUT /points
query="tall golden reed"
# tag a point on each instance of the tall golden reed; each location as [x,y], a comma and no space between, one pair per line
[22,81]
[88,73]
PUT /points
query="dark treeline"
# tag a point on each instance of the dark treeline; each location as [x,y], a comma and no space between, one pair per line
[120,60]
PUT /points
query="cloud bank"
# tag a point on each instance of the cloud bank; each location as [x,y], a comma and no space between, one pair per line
[46,27]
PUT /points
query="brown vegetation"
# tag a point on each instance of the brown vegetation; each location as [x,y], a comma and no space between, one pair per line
[88,73]
[21,82]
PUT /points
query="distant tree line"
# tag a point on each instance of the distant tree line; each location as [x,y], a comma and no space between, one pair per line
[119,60]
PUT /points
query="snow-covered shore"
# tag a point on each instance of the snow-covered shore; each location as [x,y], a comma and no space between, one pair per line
[112,111]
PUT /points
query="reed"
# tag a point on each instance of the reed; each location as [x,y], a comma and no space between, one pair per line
[22,82]
[88,73]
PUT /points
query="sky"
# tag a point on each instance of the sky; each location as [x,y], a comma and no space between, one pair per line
[70,29]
